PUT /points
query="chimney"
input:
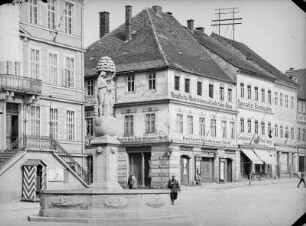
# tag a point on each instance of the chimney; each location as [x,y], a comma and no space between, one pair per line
[190,25]
[157,9]
[104,23]
[201,29]
[128,22]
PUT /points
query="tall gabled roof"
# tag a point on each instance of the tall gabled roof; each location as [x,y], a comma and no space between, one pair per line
[228,54]
[158,40]
[255,58]
[300,76]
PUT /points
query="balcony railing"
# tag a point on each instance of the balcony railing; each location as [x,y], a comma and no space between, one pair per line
[20,84]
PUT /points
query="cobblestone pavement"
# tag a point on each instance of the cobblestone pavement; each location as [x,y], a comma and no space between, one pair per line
[276,203]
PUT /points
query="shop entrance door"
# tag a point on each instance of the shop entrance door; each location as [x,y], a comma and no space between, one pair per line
[11,124]
[140,167]
[184,170]
[206,169]
[229,170]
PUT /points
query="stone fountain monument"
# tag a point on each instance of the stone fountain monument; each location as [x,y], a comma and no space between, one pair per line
[105,200]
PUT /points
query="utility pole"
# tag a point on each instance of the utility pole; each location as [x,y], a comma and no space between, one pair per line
[233,21]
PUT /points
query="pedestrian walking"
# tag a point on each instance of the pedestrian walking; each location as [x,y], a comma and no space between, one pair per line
[301,176]
[132,182]
[174,185]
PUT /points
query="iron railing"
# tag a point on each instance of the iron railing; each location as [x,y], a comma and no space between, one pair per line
[11,151]
[21,84]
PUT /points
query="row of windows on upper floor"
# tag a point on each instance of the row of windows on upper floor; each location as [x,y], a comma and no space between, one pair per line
[150,126]
[301,134]
[69,126]
[66,16]
[277,131]
[281,102]
[187,89]
[53,70]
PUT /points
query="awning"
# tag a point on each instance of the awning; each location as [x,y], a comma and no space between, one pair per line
[265,156]
[251,155]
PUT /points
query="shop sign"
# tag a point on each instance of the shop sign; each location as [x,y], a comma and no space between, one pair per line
[253,106]
[145,138]
[206,140]
[261,140]
[197,100]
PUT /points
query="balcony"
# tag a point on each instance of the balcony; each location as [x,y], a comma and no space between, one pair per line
[20,84]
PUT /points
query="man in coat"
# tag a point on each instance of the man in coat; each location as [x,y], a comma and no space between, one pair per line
[174,185]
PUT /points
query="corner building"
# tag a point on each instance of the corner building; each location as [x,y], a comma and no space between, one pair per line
[175,105]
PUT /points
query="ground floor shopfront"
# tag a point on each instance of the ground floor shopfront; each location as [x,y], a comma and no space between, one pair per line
[287,159]
[154,163]
[257,163]
[301,152]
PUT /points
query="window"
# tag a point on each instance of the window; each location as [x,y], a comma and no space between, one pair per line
[256,93]
[199,88]
[286,101]
[128,125]
[229,95]
[304,135]
[299,134]
[249,89]
[241,125]
[276,98]
[179,123]
[9,67]
[213,127]
[256,127]
[35,63]
[269,128]
[232,130]
[51,14]
[177,83]
[12,68]
[276,130]
[221,93]
[263,128]
[269,97]
[150,123]
[53,68]
[68,17]
[69,72]
[281,132]
[33,11]
[263,95]
[35,120]
[292,133]
[202,126]
[187,85]
[284,160]
[90,87]
[241,90]
[130,83]
[152,81]
[224,129]
[281,99]
[292,102]
[190,124]
[70,126]
[89,127]
[249,126]
[286,132]
[211,90]
[54,123]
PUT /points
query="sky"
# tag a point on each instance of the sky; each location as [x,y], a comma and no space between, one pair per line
[274,29]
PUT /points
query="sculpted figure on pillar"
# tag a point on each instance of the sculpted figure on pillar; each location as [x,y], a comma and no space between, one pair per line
[105,123]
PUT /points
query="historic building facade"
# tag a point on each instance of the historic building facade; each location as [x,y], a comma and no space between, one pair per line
[42,94]
[177,115]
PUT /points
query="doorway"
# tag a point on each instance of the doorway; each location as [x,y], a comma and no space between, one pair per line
[207,169]
[184,170]
[222,170]
[139,165]
[12,125]
[229,170]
